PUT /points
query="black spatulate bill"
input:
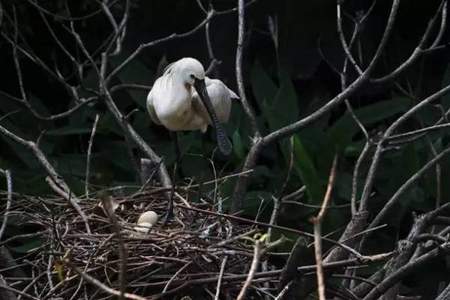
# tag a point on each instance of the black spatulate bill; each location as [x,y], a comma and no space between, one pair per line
[223,142]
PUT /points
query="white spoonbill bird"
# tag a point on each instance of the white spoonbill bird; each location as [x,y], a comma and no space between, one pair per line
[183,98]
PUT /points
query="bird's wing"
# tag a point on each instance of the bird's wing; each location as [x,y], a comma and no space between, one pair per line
[233,95]
[150,107]
[168,69]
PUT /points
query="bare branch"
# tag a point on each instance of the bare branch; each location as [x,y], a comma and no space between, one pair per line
[241,185]
[251,273]
[404,271]
[239,78]
[58,182]
[9,187]
[376,157]
[156,42]
[89,152]
[408,184]
[106,201]
[102,286]
[317,221]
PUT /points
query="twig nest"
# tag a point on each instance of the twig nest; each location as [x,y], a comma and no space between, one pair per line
[146,221]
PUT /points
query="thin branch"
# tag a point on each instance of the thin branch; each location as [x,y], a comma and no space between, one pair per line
[251,273]
[9,187]
[418,51]
[250,161]
[100,285]
[358,164]
[58,182]
[327,196]
[377,155]
[445,294]
[292,128]
[106,201]
[283,228]
[89,152]
[219,280]
[16,291]
[239,77]
[408,184]
[172,278]
[317,221]
[404,271]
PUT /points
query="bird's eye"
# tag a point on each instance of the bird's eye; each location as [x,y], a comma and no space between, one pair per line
[192,76]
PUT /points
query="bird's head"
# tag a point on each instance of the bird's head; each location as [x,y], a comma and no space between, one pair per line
[191,70]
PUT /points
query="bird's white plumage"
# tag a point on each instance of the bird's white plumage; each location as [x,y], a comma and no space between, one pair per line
[220,96]
[174,103]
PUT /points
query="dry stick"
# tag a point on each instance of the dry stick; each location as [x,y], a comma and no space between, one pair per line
[279,199]
[239,78]
[166,287]
[9,187]
[106,201]
[317,221]
[283,291]
[299,232]
[269,274]
[89,152]
[8,288]
[254,266]
[100,285]
[250,161]
[219,280]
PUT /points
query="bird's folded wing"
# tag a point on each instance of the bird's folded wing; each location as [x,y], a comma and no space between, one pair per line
[151,110]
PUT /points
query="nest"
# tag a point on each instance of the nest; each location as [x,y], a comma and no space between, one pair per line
[197,255]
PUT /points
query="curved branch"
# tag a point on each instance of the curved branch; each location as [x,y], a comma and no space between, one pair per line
[239,78]
[241,185]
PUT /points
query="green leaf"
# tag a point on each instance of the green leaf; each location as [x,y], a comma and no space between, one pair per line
[264,89]
[445,82]
[69,130]
[238,146]
[306,169]
[283,109]
[29,245]
[137,73]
